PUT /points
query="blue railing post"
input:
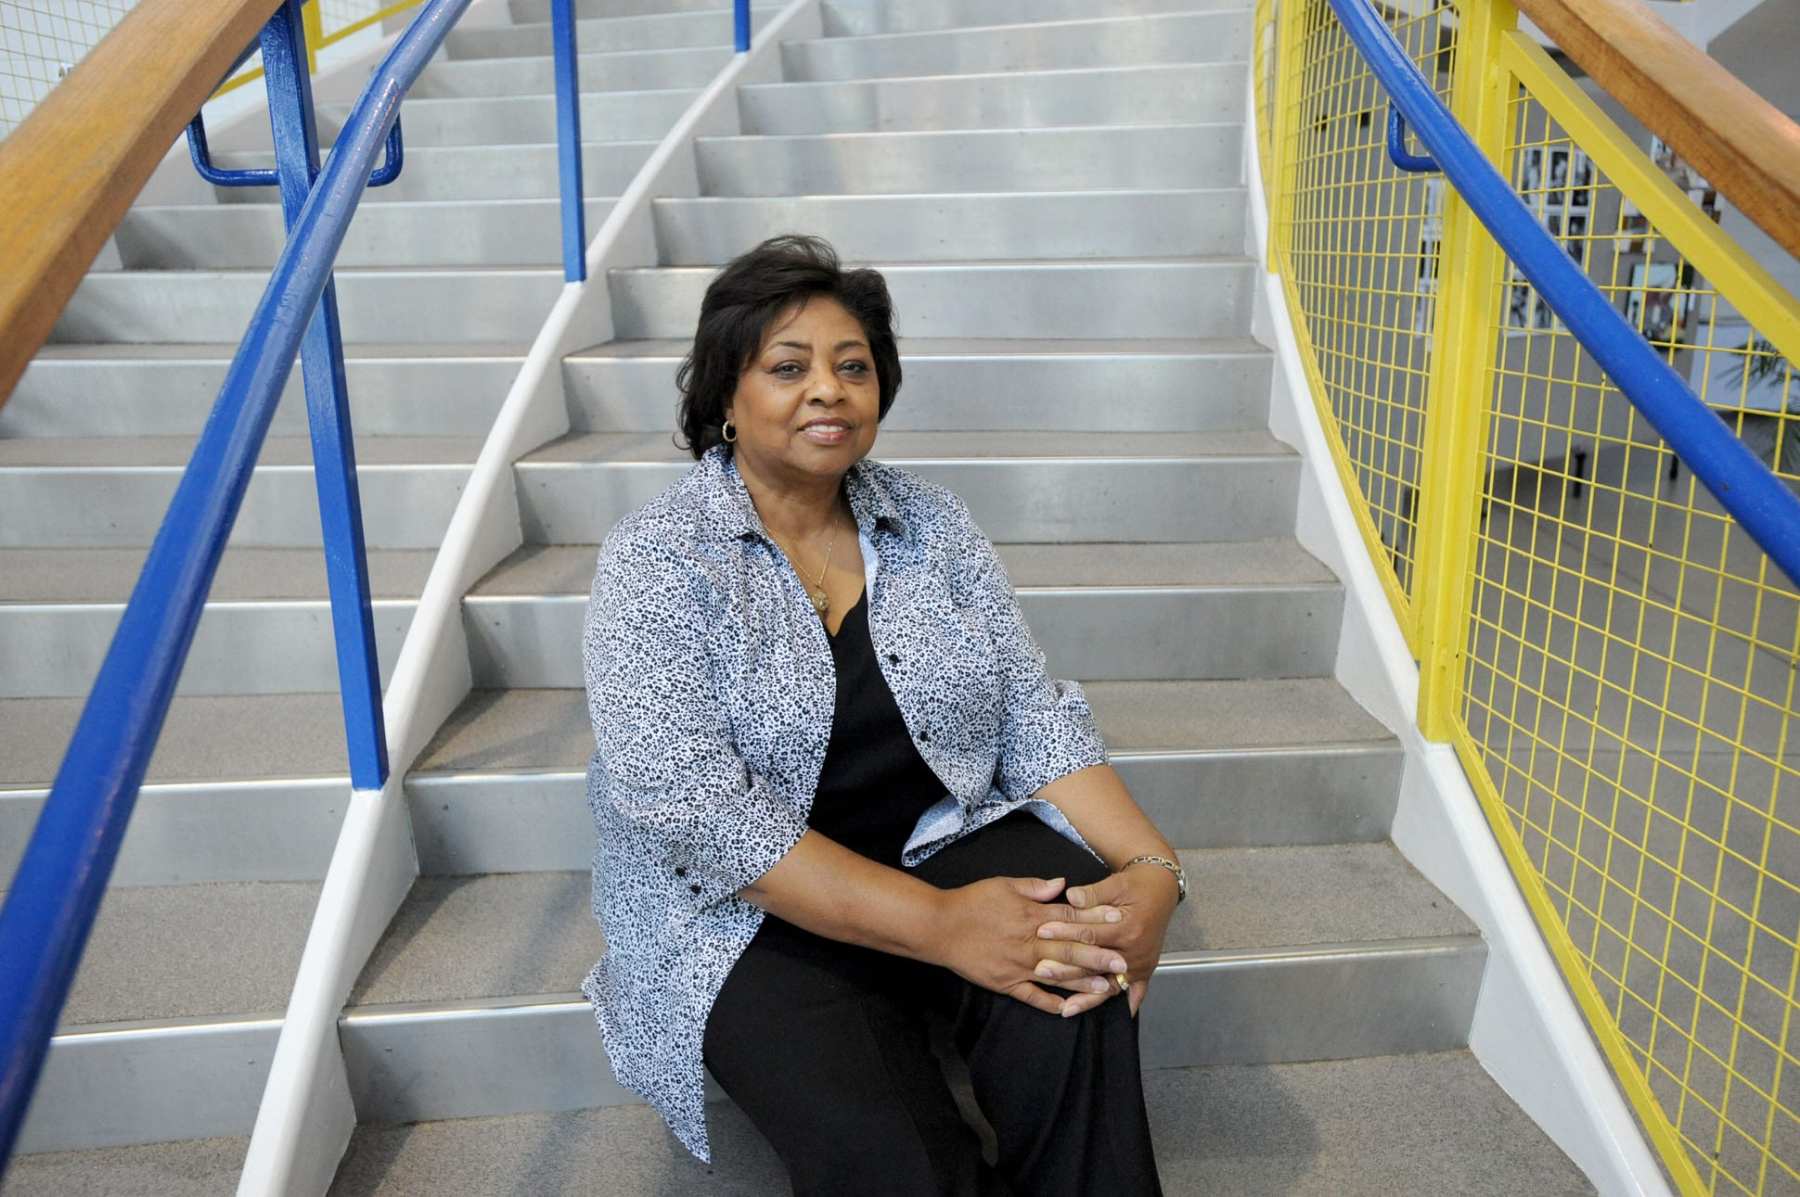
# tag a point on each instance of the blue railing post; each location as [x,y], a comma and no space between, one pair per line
[740,13]
[568,139]
[328,412]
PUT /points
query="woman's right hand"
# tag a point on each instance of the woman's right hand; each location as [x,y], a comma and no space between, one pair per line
[987,933]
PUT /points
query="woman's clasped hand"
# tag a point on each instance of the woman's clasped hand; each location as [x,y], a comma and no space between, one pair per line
[1022,936]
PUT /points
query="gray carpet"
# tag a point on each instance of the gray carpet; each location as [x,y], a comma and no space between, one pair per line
[180,951]
[226,738]
[198,1168]
[1411,1126]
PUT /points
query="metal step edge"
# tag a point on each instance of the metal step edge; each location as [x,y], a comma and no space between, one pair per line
[421,1061]
[115,1084]
[396,206]
[467,823]
[890,197]
[1036,130]
[1011,26]
[1049,75]
[434,778]
[1114,589]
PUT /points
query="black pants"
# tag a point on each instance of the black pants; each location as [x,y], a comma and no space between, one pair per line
[827,1048]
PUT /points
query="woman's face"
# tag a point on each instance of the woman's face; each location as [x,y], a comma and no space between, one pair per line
[809,404]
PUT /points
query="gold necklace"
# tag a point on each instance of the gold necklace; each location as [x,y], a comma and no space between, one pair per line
[816,592]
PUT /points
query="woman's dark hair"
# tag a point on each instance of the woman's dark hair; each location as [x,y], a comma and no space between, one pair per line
[747,297]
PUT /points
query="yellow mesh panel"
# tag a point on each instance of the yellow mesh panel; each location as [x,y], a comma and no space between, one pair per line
[1360,243]
[1630,688]
[41,41]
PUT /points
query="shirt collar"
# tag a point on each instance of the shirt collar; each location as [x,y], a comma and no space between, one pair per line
[726,511]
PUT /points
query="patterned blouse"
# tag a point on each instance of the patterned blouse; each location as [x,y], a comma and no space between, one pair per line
[712,689]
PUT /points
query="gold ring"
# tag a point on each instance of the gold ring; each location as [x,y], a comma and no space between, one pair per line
[1124,982]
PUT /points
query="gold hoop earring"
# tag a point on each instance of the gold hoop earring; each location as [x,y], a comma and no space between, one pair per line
[729,432]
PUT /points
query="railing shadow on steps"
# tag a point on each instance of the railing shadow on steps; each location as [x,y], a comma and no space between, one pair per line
[62,876]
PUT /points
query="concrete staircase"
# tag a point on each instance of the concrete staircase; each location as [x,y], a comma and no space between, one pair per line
[1056,200]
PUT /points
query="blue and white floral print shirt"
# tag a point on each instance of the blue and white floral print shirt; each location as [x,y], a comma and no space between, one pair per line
[712,689]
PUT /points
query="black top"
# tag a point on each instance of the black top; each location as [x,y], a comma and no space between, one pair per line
[874,785]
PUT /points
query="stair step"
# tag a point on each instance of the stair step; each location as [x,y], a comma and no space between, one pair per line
[597,34]
[191,951]
[1122,157]
[1038,46]
[972,385]
[526,12]
[1387,1126]
[76,390]
[245,575]
[628,70]
[460,233]
[1012,100]
[563,569]
[432,984]
[506,934]
[482,172]
[497,120]
[849,18]
[112,492]
[1151,297]
[504,730]
[204,739]
[1084,486]
[1195,611]
[953,227]
[193,1168]
[426,306]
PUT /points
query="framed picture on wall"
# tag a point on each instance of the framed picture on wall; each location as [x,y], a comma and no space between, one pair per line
[1656,305]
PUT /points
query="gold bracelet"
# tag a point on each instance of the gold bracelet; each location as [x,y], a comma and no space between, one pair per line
[1166,863]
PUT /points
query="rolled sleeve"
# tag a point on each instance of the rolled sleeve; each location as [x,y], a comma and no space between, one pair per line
[664,746]
[1047,729]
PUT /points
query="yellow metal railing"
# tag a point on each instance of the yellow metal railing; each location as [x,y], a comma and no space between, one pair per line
[327,23]
[1611,655]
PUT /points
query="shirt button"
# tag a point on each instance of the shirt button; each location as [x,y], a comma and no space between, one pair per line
[892,659]
[693,889]
[681,872]
[924,737]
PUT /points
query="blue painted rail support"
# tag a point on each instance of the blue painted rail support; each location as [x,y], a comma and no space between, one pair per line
[740,10]
[328,413]
[568,139]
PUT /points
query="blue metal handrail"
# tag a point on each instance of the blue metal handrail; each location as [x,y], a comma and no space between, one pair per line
[62,876]
[1746,487]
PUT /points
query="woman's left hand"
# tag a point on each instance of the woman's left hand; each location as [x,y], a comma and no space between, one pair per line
[1143,898]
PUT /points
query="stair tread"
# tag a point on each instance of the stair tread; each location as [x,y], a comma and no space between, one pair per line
[213,949]
[1133,69]
[526,934]
[135,451]
[191,1167]
[924,347]
[568,569]
[204,739]
[191,351]
[1091,23]
[340,110]
[1384,1126]
[548,729]
[245,574]
[596,448]
[1036,131]
[892,197]
[973,264]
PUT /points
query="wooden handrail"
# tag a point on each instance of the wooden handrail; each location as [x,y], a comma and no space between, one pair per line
[69,173]
[1742,144]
